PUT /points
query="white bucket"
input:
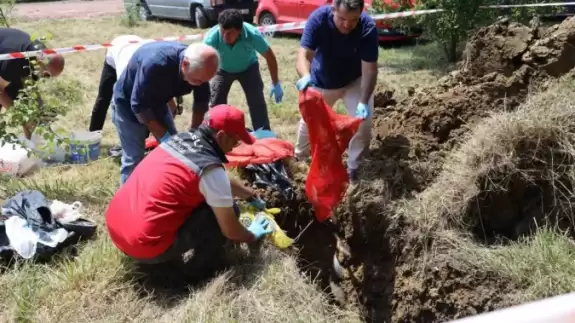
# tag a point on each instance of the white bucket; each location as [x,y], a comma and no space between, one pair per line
[50,154]
[85,146]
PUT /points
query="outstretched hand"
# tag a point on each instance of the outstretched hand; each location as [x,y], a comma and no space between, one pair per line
[260,227]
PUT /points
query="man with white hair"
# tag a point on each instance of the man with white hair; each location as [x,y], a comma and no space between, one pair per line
[117,58]
[156,73]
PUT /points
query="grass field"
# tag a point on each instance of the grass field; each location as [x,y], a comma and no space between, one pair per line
[96,285]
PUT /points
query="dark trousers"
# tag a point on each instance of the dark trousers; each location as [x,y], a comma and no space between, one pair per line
[253,86]
[200,232]
[105,93]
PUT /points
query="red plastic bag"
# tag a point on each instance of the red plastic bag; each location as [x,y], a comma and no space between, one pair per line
[263,151]
[329,136]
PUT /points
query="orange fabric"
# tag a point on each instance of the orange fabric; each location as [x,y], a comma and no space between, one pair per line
[263,151]
[329,136]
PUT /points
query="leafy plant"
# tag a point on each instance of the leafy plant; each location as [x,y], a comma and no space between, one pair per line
[131,17]
[33,107]
[6,7]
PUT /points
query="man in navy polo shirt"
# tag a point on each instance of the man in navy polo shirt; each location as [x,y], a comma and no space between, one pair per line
[156,73]
[338,56]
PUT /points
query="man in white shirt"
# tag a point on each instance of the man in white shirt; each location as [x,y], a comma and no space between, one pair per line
[117,58]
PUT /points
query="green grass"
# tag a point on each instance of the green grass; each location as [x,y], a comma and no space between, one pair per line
[96,286]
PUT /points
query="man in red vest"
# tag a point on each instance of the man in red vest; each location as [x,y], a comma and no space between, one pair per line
[180,196]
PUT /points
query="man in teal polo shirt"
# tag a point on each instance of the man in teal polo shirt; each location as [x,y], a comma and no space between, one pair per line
[237,43]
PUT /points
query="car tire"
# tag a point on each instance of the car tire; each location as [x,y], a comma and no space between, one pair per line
[200,18]
[144,12]
[267,19]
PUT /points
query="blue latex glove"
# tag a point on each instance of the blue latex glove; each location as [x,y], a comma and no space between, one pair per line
[362,111]
[303,83]
[260,227]
[277,92]
[258,203]
[165,138]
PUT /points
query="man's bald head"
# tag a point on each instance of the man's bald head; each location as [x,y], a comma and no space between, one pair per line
[53,65]
[201,62]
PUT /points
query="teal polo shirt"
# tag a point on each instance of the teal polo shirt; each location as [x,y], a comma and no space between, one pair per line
[240,56]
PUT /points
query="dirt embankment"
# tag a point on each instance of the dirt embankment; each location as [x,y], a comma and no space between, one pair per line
[501,64]
[382,256]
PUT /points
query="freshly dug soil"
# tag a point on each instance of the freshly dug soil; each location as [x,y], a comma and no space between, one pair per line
[383,272]
[502,62]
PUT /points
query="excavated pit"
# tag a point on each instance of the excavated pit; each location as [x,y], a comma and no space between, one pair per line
[381,255]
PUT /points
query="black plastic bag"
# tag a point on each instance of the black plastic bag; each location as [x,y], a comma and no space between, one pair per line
[272,175]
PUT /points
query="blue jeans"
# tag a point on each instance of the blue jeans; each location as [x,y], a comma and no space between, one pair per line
[133,136]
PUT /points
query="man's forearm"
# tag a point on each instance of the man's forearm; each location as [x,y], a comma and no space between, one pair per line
[157,129]
[5,100]
[303,67]
[273,67]
[303,63]
[173,106]
[240,190]
[368,82]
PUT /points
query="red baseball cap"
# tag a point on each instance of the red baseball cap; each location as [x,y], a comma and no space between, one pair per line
[230,120]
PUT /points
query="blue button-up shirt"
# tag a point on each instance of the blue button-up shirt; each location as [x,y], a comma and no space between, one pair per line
[153,77]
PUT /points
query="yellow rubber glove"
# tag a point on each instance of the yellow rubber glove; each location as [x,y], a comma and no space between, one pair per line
[278,236]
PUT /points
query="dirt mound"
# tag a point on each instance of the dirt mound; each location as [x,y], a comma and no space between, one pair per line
[368,254]
[501,63]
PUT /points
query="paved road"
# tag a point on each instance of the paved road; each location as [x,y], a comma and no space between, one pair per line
[69,9]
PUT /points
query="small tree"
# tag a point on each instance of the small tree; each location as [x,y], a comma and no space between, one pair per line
[6,7]
[131,17]
[32,107]
[460,17]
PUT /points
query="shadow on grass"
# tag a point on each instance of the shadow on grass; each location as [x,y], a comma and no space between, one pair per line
[166,284]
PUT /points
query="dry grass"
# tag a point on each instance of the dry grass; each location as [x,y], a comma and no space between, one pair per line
[94,286]
[532,146]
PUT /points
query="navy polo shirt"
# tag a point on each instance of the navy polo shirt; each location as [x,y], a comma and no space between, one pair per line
[337,59]
[152,77]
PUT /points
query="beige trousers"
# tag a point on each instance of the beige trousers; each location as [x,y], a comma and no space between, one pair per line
[350,95]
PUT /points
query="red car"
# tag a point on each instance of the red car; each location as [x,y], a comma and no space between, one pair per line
[271,12]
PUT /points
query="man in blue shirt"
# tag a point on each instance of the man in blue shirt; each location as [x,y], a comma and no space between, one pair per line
[238,44]
[338,56]
[156,73]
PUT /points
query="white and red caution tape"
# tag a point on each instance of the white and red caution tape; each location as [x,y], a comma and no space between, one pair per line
[196,37]
[263,29]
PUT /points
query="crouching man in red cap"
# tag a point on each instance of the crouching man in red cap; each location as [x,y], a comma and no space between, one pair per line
[180,196]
